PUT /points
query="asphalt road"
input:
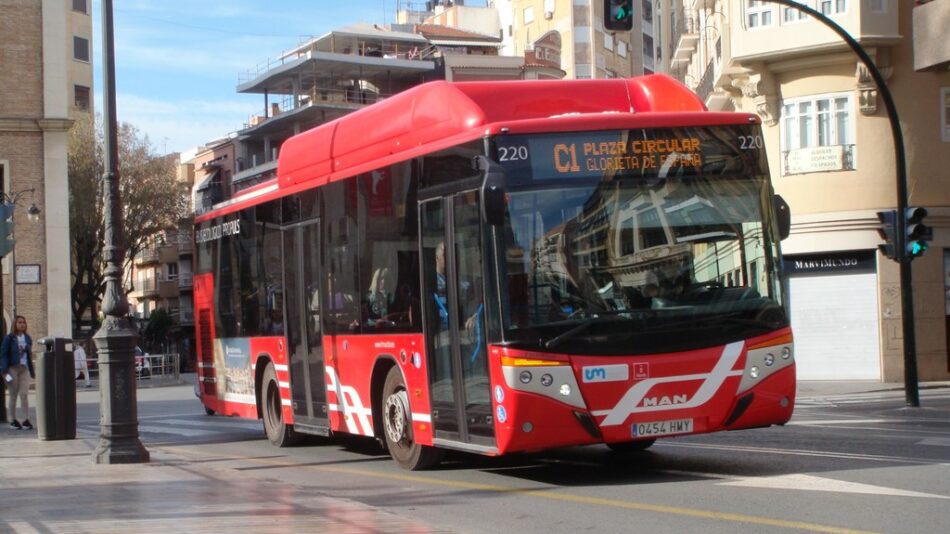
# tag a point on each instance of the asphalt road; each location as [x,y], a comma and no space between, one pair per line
[857,462]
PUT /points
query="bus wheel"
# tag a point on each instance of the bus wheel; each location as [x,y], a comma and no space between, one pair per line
[631,446]
[397,426]
[279,434]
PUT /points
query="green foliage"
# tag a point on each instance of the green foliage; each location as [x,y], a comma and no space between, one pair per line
[151,202]
[159,323]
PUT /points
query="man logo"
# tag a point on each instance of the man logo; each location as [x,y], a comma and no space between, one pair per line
[605,373]
[635,400]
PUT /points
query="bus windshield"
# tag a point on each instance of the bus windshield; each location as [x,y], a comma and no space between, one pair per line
[628,264]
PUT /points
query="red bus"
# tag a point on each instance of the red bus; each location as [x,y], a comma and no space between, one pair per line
[503,266]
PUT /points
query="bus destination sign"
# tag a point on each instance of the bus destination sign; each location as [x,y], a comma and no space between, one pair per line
[645,153]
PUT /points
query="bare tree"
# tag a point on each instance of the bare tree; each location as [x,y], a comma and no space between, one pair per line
[151,202]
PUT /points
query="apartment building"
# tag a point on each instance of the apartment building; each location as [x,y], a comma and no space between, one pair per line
[161,278]
[46,61]
[832,157]
[585,49]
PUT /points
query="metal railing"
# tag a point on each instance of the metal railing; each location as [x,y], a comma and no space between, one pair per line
[150,369]
[185,280]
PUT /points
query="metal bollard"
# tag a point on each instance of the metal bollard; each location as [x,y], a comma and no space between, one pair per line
[56,390]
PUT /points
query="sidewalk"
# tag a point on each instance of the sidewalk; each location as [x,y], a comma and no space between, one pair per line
[54,487]
[831,388]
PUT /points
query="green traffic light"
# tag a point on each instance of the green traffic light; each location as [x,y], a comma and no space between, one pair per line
[621,14]
[917,248]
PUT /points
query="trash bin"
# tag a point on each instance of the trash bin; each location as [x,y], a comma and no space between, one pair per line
[56,390]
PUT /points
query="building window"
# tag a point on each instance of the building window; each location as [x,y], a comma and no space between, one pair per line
[791,14]
[81,49]
[832,7]
[758,13]
[621,48]
[824,121]
[608,41]
[878,6]
[945,113]
[647,10]
[81,97]
[647,47]
[548,8]
[81,6]
[529,14]
[172,269]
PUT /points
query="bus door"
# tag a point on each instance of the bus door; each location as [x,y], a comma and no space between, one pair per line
[454,320]
[304,335]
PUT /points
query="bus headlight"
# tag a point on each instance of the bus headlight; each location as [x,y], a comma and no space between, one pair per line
[525,377]
[547,379]
[754,371]
[565,390]
[769,359]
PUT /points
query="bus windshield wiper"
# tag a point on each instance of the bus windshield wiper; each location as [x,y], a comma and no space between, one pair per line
[595,317]
[557,340]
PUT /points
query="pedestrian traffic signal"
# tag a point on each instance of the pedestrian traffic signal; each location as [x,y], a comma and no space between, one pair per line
[918,234]
[6,229]
[888,232]
[618,15]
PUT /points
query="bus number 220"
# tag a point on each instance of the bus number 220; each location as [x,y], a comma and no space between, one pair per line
[750,142]
[512,153]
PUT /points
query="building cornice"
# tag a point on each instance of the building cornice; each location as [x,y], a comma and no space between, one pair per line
[35,125]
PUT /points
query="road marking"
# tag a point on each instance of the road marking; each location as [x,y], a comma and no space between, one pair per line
[939,442]
[546,493]
[802,452]
[237,424]
[820,422]
[186,432]
[813,483]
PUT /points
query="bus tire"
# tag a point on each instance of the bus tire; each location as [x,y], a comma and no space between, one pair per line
[631,446]
[278,433]
[397,427]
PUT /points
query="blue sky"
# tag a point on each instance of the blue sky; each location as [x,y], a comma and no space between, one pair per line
[178,61]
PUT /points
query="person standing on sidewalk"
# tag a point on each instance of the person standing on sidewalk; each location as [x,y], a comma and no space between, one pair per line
[79,356]
[16,367]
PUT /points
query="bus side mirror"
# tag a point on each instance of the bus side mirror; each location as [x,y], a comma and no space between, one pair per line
[493,191]
[783,215]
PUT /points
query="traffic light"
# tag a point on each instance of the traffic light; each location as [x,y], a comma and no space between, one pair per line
[618,15]
[6,229]
[888,232]
[917,232]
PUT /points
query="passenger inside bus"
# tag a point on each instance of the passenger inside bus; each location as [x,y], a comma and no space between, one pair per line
[380,298]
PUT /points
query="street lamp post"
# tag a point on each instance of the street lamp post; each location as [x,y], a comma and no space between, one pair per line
[118,416]
[8,203]
[11,200]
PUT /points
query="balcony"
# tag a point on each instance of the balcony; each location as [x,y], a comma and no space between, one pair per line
[808,42]
[148,256]
[685,38]
[168,289]
[931,52]
[147,288]
[185,245]
[185,282]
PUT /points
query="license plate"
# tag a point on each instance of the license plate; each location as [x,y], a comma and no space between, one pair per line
[662,428]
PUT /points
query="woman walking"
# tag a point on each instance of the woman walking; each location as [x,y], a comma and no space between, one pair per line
[16,367]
